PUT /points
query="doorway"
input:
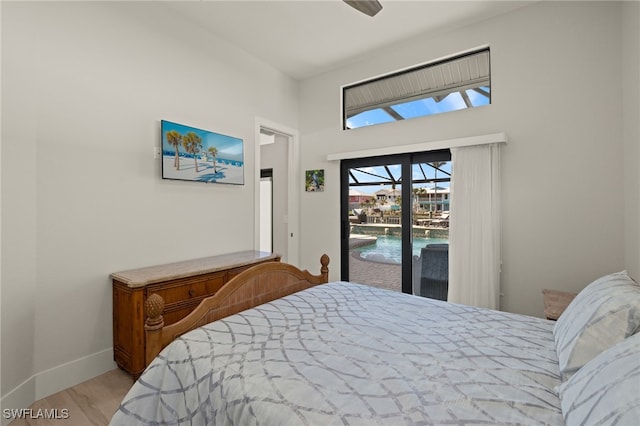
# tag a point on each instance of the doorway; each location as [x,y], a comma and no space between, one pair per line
[394,208]
[276,150]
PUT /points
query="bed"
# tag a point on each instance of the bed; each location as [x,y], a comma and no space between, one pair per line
[280,346]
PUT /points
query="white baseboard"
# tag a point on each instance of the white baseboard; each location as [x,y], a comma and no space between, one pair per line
[56,379]
[21,396]
[70,374]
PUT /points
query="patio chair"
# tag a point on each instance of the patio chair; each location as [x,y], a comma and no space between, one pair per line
[438,245]
[442,221]
[434,274]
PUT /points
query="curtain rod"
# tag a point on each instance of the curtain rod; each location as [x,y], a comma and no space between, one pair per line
[423,146]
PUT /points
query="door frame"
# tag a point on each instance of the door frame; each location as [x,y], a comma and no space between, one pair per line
[406,161]
[293,165]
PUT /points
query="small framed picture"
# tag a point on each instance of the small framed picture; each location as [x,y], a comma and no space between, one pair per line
[314,180]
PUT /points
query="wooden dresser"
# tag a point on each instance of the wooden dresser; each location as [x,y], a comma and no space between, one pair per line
[182,285]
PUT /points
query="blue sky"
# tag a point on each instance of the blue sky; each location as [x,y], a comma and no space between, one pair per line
[418,108]
[229,147]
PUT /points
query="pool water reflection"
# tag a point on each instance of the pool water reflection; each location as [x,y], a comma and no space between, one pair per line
[388,248]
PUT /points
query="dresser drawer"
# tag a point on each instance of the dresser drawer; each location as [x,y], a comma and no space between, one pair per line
[175,312]
[191,288]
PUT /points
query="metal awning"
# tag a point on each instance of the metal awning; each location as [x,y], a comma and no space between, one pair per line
[435,80]
[383,175]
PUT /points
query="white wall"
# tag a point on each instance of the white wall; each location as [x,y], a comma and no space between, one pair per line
[84,85]
[19,215]
[631,119]
[556,91]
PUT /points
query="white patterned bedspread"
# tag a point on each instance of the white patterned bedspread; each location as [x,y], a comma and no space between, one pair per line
[343,353]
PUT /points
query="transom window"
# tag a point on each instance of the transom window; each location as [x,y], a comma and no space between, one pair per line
[452,84]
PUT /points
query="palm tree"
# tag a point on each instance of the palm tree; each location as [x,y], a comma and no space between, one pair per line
[435,166]
[192,144]
[416,193]
[423,191]
[214,152]
[368,203]
[416,198]
[175,138]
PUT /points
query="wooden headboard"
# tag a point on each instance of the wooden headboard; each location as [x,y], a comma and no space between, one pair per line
[252,287]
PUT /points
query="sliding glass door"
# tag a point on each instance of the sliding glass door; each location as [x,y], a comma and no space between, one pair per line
[372,236]
[392,207]
[431,176]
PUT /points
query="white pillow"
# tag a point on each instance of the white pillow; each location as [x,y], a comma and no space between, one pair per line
[606,389]
[601,315]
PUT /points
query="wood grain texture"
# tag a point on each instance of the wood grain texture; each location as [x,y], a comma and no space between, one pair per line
[257,285]
[182,285]
[89,403]
[555,302]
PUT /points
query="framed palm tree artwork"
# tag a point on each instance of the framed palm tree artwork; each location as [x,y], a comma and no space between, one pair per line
[193,154]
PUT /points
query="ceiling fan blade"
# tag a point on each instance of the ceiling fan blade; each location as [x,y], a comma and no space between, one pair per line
[368,7]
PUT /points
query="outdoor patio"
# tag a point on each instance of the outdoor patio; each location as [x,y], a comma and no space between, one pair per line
[382,275]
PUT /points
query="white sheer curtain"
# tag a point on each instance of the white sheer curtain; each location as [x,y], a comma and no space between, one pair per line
[474,232]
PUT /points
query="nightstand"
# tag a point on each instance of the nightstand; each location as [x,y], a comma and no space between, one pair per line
[555,302]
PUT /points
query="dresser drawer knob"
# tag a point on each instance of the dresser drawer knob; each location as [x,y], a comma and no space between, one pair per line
[191,292]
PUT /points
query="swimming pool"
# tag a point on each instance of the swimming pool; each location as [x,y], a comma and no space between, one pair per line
[388,248]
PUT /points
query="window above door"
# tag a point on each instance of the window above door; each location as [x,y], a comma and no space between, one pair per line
[455,83]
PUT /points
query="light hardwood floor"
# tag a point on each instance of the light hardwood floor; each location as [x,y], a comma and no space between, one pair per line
[89,403]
